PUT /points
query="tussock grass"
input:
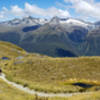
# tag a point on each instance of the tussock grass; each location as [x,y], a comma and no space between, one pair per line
[8,92]
[48,74]
[54,74]
[88,96]
[10,50]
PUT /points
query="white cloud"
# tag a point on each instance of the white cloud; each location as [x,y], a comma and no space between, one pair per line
[50,12]
[1,16]
[83,8]
[15,10]
[32,10]
[3,12]
[86,8]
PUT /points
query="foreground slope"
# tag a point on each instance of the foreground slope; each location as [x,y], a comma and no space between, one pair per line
[7,92]
[43,73]
[10,50]
[48,74]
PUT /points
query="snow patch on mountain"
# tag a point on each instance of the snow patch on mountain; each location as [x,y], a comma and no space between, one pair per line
[73,22]
[25,21]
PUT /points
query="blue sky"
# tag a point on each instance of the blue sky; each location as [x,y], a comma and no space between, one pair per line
[41,3]
[83,9]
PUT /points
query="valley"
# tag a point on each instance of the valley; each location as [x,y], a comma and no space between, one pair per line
[49,49]
[56,37]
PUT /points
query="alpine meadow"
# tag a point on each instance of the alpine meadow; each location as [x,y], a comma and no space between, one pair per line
[49,50]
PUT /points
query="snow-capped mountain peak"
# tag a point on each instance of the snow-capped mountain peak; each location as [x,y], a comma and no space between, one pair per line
[70,22]
[26,21]
[30,21]
[73,22]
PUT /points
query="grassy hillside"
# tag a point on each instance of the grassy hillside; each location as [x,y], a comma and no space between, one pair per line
[54,74]
[8,92]
[48,74]
[91,96]
[10,50]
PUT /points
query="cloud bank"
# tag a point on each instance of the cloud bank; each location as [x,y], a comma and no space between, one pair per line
[86,8]
[32,10]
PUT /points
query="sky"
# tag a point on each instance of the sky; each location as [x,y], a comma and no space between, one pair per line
[83,9]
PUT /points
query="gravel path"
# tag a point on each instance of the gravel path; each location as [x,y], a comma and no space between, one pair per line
[41,94]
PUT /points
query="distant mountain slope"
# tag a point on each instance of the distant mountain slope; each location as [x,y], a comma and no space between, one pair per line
[25,21]
[92,43]
[72,36]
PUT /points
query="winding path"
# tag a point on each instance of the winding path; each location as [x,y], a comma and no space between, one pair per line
[42,94]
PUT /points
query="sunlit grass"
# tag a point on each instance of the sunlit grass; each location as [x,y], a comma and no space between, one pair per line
[54,74]
[48,74]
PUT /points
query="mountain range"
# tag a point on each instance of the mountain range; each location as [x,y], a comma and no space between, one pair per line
[57,37]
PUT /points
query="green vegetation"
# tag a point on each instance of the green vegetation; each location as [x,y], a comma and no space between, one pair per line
[54,74]
[42,73]
[10,50]
[8,92]
[91,96]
